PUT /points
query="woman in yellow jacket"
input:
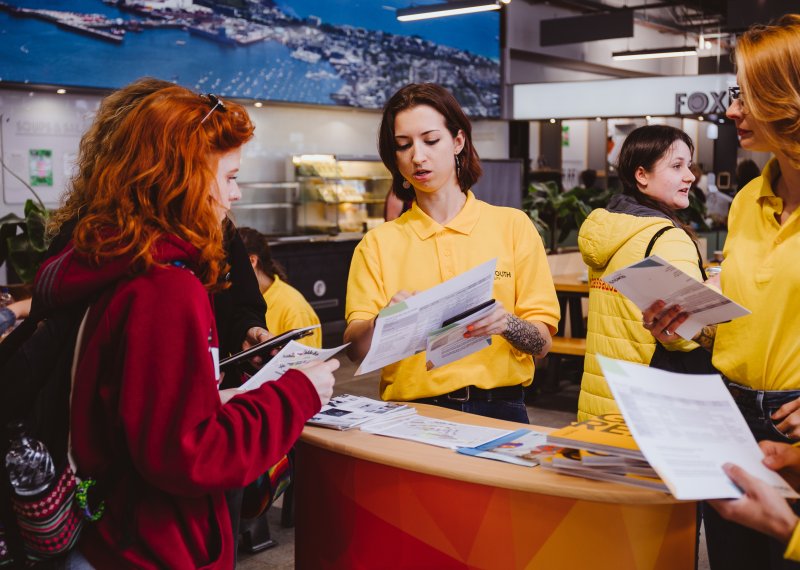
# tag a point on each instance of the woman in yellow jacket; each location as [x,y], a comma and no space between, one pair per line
[654,169]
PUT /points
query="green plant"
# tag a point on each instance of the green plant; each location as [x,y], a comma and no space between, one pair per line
[23,241]
[555,214]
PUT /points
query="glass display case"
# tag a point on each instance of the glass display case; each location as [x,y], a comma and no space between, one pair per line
[340,194]
[268,207]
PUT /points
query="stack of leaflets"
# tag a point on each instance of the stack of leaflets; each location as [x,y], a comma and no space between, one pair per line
[346,412]
[522,447]
[601,448]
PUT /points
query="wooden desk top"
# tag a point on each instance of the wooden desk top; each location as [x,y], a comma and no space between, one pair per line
[446,463]
[571,283]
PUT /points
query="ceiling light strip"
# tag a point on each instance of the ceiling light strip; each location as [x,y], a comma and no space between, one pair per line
[446,9]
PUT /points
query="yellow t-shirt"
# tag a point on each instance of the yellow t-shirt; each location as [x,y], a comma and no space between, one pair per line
[760,272]
[414,253]
[793,548]
[287,309]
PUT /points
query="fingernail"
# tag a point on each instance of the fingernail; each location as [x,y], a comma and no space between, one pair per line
[470,328]
[467,335]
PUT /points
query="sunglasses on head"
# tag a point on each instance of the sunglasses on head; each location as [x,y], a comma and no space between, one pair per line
[216,103]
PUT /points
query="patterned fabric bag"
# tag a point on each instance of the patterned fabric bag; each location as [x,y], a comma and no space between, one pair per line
[261,493]
[46,525]
[50,522]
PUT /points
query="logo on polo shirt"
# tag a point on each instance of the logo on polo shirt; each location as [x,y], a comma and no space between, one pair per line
[498,274]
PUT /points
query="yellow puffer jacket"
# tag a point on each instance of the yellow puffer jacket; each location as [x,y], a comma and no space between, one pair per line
[609,240]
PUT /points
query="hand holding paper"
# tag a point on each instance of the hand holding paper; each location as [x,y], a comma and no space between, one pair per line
[293,355]
[653,279]
[688,427]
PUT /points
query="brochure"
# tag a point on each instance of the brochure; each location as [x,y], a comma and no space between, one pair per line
[346,412]
[651,279]
[521,447]
[688,427]
[603,434]
[402,329]
[447,344]
[291,356]
[436,432]
[264,348]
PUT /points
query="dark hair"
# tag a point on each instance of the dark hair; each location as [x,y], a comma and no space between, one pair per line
[746,170]
[588,178]
[644,147]
[436,96]
[256,244]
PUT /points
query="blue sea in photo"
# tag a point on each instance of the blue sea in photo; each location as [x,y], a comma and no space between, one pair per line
[39,52]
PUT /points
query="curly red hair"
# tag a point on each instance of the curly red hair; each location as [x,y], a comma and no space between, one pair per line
[155,178]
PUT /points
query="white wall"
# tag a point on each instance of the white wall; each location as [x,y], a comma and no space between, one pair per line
[56,122]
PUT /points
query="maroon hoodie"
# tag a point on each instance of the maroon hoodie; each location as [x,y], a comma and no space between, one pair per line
[147,421]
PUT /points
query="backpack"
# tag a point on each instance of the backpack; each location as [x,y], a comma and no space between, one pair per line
[696,361]
[35,385]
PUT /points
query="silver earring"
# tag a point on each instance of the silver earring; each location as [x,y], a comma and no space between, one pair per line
[406,184]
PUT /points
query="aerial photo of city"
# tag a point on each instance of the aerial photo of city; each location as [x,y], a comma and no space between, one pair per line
[331,52]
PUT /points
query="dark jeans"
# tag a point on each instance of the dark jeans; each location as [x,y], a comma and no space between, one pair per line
[511,409]
[730,545]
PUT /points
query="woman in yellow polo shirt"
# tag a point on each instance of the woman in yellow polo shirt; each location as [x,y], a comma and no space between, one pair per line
[287,309]
[425,142]
[759,354]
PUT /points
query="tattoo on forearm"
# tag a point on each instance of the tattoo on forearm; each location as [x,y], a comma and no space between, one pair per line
[706,336]
[524,335]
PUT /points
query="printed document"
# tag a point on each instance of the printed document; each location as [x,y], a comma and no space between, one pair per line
[291,356]
[436,432]
[402,329]
[651,279]
[688,427]
[447,344]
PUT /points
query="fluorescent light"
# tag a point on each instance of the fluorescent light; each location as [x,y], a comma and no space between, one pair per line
[446,9]
[654,53]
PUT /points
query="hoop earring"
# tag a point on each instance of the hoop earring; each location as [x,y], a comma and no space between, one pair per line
[458,167]
[406,184]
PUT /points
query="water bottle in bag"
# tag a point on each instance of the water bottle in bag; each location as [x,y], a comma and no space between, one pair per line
[28,463]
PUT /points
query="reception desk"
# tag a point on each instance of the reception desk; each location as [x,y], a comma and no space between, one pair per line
[366,501]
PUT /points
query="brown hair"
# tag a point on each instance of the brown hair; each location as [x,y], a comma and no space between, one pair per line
[443,101]
[154,177]
[644,147]
[768,61]
[112,110]
[256,244]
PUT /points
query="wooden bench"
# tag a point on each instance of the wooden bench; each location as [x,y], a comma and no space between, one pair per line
[562,348]
[568,346]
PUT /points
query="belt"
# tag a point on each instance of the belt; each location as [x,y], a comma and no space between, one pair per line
[474,393]
[748,397]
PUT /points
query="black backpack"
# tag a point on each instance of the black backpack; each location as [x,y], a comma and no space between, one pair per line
[35,383]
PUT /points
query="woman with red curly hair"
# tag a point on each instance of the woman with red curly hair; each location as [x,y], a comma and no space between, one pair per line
[147,420]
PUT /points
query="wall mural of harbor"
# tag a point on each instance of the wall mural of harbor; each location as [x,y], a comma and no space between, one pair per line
[331,52]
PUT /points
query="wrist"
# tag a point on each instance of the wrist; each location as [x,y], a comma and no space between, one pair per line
[786,527]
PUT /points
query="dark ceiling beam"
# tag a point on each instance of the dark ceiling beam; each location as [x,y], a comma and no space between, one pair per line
[574,65]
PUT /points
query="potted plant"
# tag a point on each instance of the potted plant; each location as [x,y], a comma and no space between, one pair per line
[23,241]
[555,214]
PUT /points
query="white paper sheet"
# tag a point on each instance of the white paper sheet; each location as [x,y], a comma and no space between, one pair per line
[436,432]
[651,279]
[291,356]
[688,427]
[402,329]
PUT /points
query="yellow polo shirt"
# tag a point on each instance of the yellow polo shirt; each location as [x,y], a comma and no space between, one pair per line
[761,272]
[414,253]
[792,551]
[287,309]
